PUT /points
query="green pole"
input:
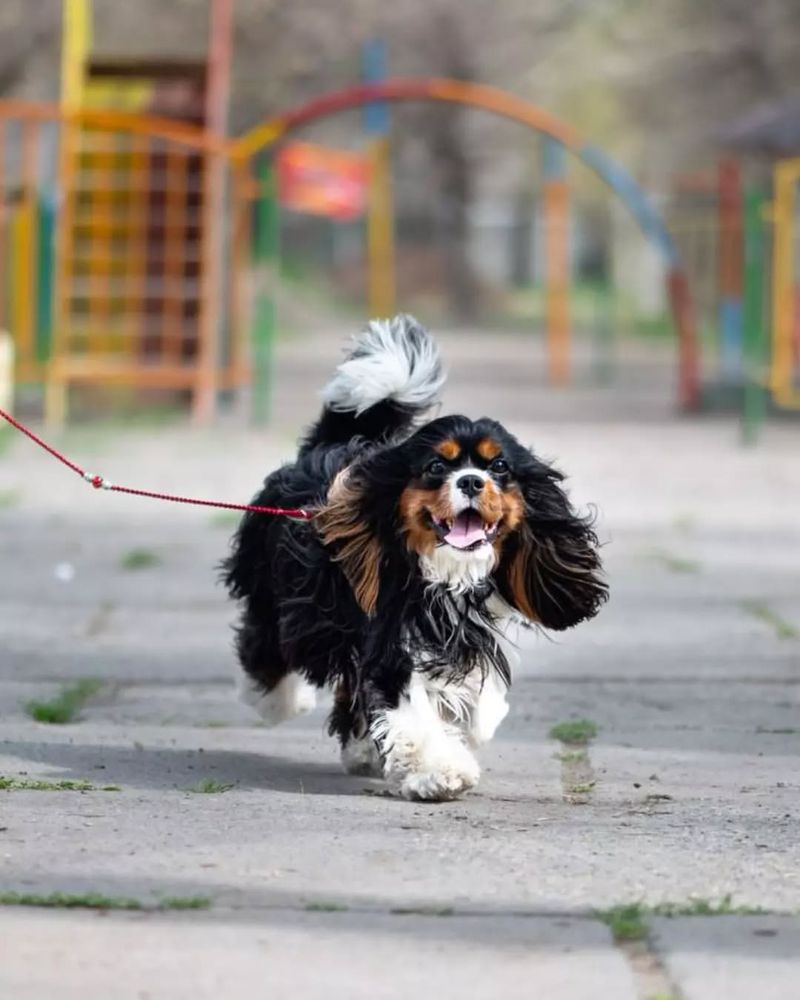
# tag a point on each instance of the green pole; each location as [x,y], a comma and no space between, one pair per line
[45,271]
[754,398]
[266,247]
[602,333]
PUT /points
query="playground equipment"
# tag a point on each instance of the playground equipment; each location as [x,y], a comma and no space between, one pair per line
[784,369]
[110,268]
[143,248]
[264,137]
[137,286]
[752,233]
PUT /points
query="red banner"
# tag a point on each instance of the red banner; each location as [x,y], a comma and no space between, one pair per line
[322,181]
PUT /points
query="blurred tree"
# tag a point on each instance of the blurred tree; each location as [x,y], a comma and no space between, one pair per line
[25,29]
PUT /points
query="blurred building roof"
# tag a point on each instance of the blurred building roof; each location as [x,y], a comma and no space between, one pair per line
[770,129]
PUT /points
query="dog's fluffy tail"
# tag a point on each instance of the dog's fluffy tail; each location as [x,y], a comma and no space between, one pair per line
[391,375]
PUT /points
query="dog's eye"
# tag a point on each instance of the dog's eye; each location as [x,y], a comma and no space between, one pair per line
[435,468]
[499,466]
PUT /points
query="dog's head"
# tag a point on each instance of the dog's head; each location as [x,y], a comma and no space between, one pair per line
[461,502]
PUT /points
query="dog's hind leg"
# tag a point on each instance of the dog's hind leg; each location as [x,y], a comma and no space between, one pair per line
[360,753]
[265,683]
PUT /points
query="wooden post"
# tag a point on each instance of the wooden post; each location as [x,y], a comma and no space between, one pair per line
[380,204]
[265,252]
[204,401]
[380,230]
[555,209]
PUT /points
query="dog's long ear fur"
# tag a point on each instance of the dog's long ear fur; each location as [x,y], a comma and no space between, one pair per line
[549,568]
[344,526]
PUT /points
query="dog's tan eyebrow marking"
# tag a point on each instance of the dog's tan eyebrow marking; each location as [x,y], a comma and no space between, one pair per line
[448,449]
[488,448]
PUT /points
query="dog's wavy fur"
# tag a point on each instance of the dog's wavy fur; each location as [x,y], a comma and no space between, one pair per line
[370,599]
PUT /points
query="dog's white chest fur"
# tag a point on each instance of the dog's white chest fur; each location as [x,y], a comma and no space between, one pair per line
[456,569]
[427,740]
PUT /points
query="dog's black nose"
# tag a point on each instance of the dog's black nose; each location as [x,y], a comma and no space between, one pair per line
[470,485]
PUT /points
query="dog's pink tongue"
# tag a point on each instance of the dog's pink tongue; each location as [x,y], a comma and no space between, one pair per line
[467,530]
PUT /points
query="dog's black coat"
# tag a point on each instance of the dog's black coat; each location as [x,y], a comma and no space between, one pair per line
[300,609]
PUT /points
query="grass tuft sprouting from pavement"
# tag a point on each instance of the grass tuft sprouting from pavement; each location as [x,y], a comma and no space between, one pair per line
[210,786]
[575,732]
[42,785]
[764,613]
[629,921]
[97,901]
[67,705]
[140,559]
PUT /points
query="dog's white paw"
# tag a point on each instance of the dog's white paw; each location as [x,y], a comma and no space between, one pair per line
[434,777]
[362,757]
[291,696]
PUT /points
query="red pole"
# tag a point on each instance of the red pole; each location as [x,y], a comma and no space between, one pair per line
[219,65]
[688,358]
[216,115]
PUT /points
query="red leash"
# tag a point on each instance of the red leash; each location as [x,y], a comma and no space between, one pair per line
[100,483]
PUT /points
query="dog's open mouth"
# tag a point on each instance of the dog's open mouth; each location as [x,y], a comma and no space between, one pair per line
[467,531]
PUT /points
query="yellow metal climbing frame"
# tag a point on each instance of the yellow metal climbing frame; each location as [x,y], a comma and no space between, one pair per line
[784,372]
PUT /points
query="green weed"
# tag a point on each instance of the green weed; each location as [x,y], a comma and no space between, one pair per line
[422,911]
[675,564]
[576,732]
[706,908]
[66,706]
[96,901]
[209,786]
[140,559]
[581,789]
[626,921]
[40,785]
[184,903]
[779,625]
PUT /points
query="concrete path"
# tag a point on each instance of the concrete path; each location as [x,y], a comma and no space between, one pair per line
[317,883]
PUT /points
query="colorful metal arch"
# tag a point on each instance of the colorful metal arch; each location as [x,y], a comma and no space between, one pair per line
[506,105]
[149,126]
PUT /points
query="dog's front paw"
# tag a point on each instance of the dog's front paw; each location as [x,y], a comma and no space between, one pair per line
[435,779]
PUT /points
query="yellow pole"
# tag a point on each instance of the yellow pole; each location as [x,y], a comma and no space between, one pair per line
[75,46]
[380,230]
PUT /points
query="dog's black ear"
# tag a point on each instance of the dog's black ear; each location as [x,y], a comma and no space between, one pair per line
[344,525]
[549,567]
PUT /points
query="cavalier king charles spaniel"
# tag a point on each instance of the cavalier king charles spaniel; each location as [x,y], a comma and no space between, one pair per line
[429,543]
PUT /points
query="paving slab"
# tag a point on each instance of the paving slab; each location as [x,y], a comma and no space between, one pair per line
[689,791]
[731,957]
[316,956]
